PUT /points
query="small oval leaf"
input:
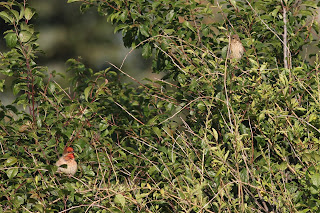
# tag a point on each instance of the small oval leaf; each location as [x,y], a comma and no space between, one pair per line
[11,39]
[24,36]
[87,92]
[12,172]
[11,161]
[28,13]
[6,17]
[120,199]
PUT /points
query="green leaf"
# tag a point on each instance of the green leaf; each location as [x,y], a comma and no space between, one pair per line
[146,51]
[315,178]
[182,78]
[143,195]
[170,15]
[16,88]
[16,15]
[120,199]
[283,166]
[305,12]
[28,13]
[169,31]
[12,172]
[2,85]
[188,25]
[7,72]
[11,161]
[144,30]
[70,1]
[310,4]
[172,156]
[18,200]
[25,36]
[283,79]
[157,131]
[224,51]
[51,87]
[39,207]
[201,105]
[87,92]
[301,109]
[312,117]
[6,17]
[234,3]
[123,16]
[253,62]
[275,11]
[215,134]
[11,39]
[120,27]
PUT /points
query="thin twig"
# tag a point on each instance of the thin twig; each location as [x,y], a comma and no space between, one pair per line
[128,113]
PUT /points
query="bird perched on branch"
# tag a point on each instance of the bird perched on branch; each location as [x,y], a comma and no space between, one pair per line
[236,49]
[67,159]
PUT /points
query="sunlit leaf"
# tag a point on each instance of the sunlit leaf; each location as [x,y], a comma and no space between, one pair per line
[6,17]
[11,39]
[11,161]
[70,1]
[120,199]
[315,178]
[28,13]
[25,36]
[12,172]
[188,25]
[87,92]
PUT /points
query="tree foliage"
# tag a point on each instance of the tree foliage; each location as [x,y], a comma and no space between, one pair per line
[211,136]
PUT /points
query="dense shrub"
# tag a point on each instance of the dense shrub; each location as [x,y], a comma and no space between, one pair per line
[211,136]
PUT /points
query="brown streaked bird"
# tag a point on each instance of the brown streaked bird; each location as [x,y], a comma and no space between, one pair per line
[67,159]
[236,47]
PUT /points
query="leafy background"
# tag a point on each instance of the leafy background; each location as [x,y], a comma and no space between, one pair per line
[209,136]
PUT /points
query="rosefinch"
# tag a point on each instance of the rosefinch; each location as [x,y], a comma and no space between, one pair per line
[67,159]
[236,48]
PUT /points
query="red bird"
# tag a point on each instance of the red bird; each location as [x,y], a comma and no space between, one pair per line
[67,159]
